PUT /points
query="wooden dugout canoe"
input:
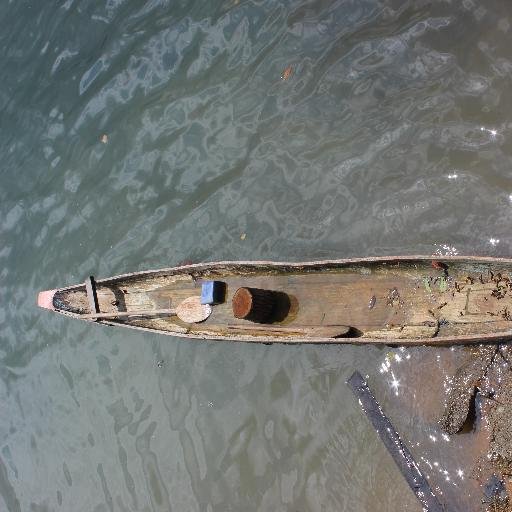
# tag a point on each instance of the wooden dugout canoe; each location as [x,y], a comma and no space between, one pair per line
[406,300]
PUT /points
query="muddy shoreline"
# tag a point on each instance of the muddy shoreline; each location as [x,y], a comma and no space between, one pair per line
[480,398]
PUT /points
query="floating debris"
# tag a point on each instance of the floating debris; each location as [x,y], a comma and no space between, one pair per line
[104,138]
[287,73]
[242,236]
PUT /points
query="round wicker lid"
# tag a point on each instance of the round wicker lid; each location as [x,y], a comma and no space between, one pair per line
[192,311]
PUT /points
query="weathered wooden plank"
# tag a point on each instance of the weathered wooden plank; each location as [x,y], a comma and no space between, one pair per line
[328,331]
[122,314]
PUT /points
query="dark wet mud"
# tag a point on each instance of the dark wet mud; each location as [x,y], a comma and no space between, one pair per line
[499,419]
[464,387]
[480,397]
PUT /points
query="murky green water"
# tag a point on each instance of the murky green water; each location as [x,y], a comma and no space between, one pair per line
[389,135]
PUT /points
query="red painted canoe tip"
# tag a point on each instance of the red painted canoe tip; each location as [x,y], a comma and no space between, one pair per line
[45,299]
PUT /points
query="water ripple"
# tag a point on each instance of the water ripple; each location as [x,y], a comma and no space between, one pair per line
[142,135]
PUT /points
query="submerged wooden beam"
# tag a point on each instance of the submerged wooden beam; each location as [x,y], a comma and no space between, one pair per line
[395,446]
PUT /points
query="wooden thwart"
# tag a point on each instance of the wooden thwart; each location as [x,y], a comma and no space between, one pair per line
[92,297]
[90,288]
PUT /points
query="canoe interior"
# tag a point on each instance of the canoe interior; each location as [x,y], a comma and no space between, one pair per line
[404,299]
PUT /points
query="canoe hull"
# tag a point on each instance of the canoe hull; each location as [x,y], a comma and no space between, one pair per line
[326,269]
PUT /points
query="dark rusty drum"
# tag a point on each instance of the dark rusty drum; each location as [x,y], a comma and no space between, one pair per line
[253,304]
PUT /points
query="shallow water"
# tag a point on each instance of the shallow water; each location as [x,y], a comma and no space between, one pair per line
[389,135]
